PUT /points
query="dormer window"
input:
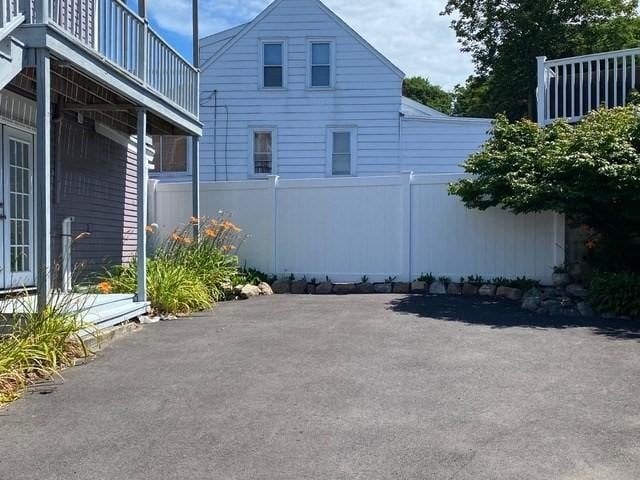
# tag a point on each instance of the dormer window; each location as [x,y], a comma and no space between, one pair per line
[273,68]
[321,64]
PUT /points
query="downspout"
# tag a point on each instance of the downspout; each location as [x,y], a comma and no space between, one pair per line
[67,269]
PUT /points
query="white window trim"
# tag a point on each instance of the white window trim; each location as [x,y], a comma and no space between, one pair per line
[285,63]
[332,62]
[353,130]
[274,150]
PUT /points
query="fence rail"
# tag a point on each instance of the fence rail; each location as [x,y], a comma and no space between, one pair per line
[569,88]
[394,226]
[123,38]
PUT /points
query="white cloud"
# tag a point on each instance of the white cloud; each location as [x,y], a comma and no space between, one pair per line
[411,33]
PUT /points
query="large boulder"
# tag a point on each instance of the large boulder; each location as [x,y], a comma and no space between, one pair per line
[469,289]
[487,290]
[401,287]
[509,293]
[344,288]
[584,309]
[531,303]
[576,290]
[324,288]
[281,286]
[265,289]
[437,288]
[454,288]
[311,288]
[299,287]
[365,287]
[249,291]
[382,287]
[418,286]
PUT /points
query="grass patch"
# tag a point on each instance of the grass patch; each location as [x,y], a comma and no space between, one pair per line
[38,345]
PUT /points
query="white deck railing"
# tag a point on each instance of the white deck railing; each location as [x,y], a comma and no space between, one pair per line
[123,38]
[569,88]
[9,11]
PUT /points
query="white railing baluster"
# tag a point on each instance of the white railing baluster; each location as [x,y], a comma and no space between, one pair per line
[573,90]
[633,72]
[590,80]
[581,88]
[597,83]
[624,81]
[615,81]
[606,82]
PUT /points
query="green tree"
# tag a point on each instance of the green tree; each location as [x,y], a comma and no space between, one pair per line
[589,171]
[422,90]
[504,38]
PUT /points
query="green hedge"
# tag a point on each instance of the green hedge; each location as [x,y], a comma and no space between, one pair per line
[617,293]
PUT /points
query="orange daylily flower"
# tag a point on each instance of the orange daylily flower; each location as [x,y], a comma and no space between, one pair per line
[211,232]
[105,287]
[591,244]
[148,229]
[228,248]
[194,220]
[175,237]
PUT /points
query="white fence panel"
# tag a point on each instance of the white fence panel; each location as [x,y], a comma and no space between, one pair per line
[344,228]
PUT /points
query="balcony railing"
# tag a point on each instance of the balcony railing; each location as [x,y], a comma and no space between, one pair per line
[9,11]
[569,88]
[124,39]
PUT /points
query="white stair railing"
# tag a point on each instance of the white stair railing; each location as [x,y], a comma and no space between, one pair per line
[569,88]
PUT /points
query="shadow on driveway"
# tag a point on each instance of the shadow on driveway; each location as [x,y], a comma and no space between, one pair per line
[499,313]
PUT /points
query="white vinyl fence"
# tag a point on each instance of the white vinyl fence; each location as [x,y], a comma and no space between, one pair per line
[398,226]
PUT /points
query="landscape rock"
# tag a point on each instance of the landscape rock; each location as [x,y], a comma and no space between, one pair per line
[487,290]
[565,302]
[265,288]
[437,288]
[382,287]
[365,287]
[237,289]
[577,290]
[549,306]
[454,288]
[560,279]
[298,287]
[533,292]
[281,286]
[344,288]
[401,287]
[531,303]
[311,288]
[469,289]
[584,309]
[509,293]
[418,286]
[324,288]
[249,291]
[547,293]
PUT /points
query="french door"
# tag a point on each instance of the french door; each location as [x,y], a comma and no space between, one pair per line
[17,210]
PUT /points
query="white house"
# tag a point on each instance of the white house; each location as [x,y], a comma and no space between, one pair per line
[298,93]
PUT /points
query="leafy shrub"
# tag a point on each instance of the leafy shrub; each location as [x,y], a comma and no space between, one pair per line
[475,279]
[426,278]
[618,293]
[253,276]
[171,286]
[444,279]
[37,345]
[523,283]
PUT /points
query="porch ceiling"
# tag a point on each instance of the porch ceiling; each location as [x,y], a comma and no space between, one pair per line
[74,91]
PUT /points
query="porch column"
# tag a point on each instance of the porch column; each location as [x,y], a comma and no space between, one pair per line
[142,205]
[43,176]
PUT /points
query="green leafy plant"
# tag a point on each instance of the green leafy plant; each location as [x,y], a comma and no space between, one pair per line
[364,279]
[444,279]
[560,269]
[588,171]
[390,279]
[475,279]
[171,286]
[617,293]
[522,283]
[426,278]
[253,276]
[327,279]
[38,344]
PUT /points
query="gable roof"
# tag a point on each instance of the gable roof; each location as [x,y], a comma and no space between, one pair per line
[416,109]
[240,31]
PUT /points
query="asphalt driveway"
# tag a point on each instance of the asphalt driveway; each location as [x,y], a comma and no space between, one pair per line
[358,387]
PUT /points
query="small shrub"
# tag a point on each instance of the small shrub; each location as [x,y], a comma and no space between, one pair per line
[171,286]
[522,283]
[364,279]
[252,276]
[426,278]
[618,293]
[444,280]
[475,279]
[390,279]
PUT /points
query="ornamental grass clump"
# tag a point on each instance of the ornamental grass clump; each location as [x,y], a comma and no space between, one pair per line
[37,345]
[187,272]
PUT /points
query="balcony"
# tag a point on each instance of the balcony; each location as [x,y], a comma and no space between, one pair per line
[569,88]
[119,36]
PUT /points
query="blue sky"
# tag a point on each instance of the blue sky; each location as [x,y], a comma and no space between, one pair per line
[411,33]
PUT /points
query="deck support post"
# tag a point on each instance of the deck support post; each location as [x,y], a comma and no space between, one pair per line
[43,177]
[541,92]
[141,257]
[195,183]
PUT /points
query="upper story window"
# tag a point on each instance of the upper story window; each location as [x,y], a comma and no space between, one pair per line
[262,151]
[171,154]
[273,65]
[321,68]
[341,150]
